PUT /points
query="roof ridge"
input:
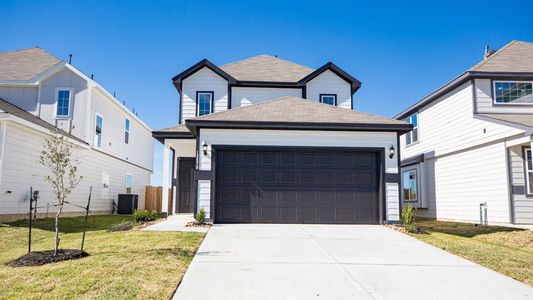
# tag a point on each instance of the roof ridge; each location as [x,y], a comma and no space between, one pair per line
[267,55]
[499,51]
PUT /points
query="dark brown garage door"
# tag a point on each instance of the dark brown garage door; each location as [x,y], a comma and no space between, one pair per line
[303,186]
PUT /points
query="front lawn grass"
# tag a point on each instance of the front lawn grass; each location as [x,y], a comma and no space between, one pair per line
[503,249]
[121,265]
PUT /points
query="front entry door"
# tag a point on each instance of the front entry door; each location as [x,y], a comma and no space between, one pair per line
[186,185]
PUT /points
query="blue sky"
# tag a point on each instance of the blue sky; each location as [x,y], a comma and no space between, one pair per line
[400,50]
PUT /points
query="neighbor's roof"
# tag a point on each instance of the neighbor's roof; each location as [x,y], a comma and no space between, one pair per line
[513,61]
[516,56]
[297,113]
[25,64]
[517,119]
[266,68]
[21,113]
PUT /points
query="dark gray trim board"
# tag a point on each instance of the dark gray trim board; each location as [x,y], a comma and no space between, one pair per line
[354,83]
[194,124]
[203,175]
[518,189]
[412,160]
[162,135]
[459,80]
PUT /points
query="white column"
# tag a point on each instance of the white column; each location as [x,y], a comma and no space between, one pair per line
[166,178]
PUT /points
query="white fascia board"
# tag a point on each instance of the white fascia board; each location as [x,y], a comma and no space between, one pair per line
[107,95]
[21,122]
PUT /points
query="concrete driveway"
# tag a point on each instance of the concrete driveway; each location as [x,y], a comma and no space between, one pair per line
[334,262]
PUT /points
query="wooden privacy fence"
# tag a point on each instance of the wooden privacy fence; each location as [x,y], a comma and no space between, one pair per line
[153,198]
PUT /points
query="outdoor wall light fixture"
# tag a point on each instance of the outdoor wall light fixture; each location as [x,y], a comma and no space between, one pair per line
[392,151]
[204,148]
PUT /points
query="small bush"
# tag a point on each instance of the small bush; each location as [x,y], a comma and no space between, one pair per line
[200,216]
[141,215]
[408,216]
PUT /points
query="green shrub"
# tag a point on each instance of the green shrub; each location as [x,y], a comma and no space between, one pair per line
[200,216]
[408,216]
[141,215]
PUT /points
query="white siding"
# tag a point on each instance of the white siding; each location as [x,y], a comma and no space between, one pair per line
[203,80]
[246,96]
[299,138]
[465,160]
[485,102]
[66,79]
[24,97]
[21,170]
[523,205]
[140,149]
[448,125]
[329,83]
[466,179]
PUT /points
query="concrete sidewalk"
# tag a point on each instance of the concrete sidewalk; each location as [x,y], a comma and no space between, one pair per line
[249,261]
[176,222]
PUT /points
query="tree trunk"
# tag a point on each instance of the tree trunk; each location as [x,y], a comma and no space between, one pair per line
[57,228]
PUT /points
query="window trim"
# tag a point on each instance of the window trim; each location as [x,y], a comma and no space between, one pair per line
[415,169]
[493,91]
[328,95]
[56,97]
[126,183]
[526,171]
[128,130]
[95,141]
[411,132]
[212,108]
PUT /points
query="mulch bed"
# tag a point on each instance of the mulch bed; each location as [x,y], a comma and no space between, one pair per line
[419,230]
[121,227]
[196,224]
[39,258]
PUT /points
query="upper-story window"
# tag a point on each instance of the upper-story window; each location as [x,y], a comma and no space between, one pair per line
[204,103]
[129,182]
[412,136]
[127,131]
[330,99]
[513,92]
[529,171]
[99,122]
[63,103]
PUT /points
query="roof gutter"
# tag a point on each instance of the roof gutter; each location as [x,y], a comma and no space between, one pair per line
[162,135]
[194,124]
[468,75]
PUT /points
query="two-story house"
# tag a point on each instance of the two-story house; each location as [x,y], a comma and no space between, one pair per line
[38,93]
[265,140]
[469,154]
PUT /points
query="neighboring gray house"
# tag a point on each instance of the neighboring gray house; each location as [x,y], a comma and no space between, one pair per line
[265,140]
[471,143]
[38,92]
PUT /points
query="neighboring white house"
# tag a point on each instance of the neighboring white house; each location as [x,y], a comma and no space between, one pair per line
[265,140]
[38,92]
[471,143]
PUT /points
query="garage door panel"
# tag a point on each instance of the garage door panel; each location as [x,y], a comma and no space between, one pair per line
[296,187]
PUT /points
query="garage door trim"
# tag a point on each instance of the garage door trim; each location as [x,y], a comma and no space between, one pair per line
[379,151]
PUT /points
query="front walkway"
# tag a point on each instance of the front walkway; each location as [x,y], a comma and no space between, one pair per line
[249,261]
[176,222]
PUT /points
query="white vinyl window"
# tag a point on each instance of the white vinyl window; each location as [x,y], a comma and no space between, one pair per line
[129,181]
[412,136]
[204,102]
[409,186]
[63,102]
[529,171]
[127,131]
[98,126]
[513,92]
